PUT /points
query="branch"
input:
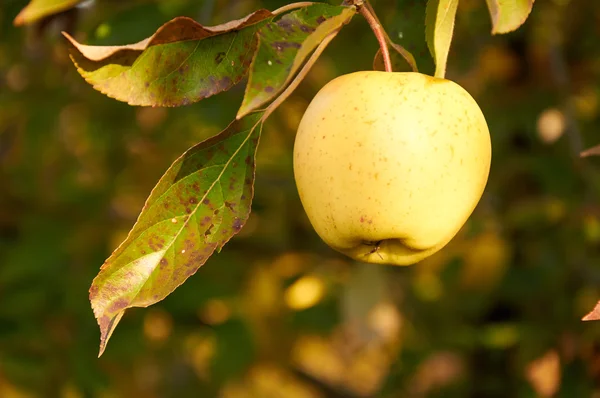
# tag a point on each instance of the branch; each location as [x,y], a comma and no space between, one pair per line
[378,31]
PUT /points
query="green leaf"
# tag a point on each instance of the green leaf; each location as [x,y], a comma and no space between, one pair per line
[508,15]
[196,207]
[439,26]
[38,9]
[283,47]
[182,63]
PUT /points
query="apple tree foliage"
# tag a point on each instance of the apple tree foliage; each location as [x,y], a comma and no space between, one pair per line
[205,197]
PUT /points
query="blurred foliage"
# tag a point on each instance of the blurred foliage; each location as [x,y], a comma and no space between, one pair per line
[277,313]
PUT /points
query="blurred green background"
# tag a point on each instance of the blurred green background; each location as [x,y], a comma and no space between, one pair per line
[277,313]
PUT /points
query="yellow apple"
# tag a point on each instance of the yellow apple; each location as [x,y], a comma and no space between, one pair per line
[389,166]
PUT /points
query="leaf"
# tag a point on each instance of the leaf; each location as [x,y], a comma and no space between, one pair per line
[594,315]
[508,15]
[439,26]
[284,45]
[593,151]
[196,207]
[182,63]
[38,9]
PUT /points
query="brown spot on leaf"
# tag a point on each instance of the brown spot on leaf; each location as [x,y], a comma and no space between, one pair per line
[287,25]
[104,322]
[183,68]
[219,58]
[321,19]
[307,29]
[237,224]
[283,45]
[118,306]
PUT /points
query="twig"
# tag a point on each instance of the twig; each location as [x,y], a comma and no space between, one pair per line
[378,31]
[408,57]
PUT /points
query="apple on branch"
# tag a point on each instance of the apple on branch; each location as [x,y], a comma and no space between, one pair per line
[389,165]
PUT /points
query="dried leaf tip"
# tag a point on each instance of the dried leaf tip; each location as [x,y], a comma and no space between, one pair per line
[594,315]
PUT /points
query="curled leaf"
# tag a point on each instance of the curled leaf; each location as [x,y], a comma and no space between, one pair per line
[182,63]
[38,9]
[197,206]
[439,27]
[508,15]
[283,47]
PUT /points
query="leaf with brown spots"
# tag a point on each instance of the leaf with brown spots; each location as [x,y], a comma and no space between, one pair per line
[38,9]
[283,47]
[182,63]
[196,207]
[508,15]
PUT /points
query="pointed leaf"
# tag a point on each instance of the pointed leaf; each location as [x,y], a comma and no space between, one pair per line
[594,315]
[196,207]
[38,9]
[182,63]
[439,26]
[283,47]
[508,15]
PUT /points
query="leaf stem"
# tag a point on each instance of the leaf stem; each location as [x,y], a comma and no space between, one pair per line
[378,31]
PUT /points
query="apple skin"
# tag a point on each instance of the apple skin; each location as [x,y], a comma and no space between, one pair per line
[389,165]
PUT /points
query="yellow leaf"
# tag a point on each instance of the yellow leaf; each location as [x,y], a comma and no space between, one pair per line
[544,374]
[439,26]
[508,15]
[38,9]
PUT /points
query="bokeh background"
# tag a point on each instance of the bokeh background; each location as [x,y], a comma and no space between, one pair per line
[277,313]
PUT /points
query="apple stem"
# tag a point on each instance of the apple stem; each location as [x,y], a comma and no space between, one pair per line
[379,33]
